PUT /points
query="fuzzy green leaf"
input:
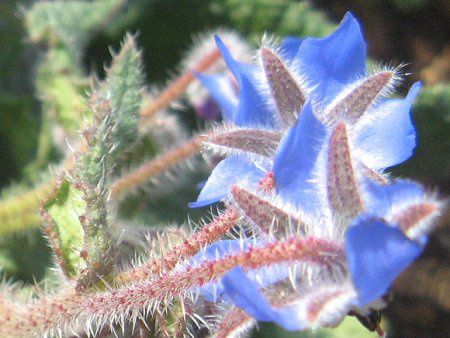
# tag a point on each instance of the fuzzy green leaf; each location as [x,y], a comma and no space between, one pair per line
[116,105]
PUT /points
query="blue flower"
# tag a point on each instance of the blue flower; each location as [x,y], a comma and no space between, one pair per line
[329,166]
[377,253]
[245,293]
[252,110]
[332,62]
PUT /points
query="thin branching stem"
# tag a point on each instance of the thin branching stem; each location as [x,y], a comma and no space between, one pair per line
[209,233]
[71,309]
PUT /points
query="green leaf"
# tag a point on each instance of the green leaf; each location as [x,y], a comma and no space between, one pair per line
[66,230]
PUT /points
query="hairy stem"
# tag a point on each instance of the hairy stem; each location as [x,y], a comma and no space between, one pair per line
[177,88]
[71,309]
[209,233]
[157,165]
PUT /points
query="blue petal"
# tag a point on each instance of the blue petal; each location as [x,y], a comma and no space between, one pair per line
[334,60]
[221,89]
[290,46]
[253,109]
[390,139]
[231,170]
[377,253]
[246,295]
[295,161]
[381,199]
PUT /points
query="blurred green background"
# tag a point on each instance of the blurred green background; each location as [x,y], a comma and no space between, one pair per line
[415,33]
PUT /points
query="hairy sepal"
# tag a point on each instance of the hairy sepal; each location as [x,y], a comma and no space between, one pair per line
[418,219]
[343,192]
[270,215]
[234,323]
[286,91]
[244,141]
[327,306]
[354,101]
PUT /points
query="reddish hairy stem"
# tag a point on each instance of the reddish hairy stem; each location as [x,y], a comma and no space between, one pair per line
[71,309]
[209,233]
[157,165]
[177,88]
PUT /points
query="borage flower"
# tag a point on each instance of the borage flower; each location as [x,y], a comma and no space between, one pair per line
[380,244]
[329,185]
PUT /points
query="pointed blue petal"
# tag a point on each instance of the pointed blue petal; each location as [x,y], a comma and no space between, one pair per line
[290,46]
[296,159]
[377,253]
[221,89]
[334,60]
[231,170]
[390,137]
[246,295]
[234,66]
[253,109]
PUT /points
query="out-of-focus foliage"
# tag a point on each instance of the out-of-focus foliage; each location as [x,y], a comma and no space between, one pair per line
[283,17]
[431,162]
[69,23]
